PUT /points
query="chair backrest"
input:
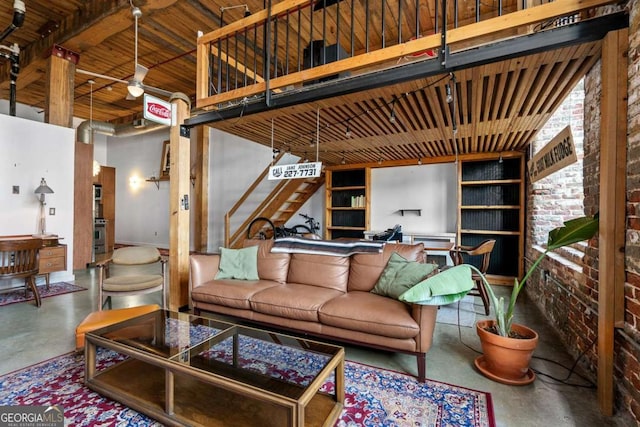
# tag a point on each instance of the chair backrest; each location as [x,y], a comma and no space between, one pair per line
[135,255]
[484,248]
[19,258]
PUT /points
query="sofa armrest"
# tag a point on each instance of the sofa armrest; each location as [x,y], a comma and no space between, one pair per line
[202,268]
[425,316]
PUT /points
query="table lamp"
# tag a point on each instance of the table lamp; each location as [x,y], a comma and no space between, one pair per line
[42,190]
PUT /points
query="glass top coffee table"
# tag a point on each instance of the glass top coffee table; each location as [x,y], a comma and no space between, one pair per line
[188,370]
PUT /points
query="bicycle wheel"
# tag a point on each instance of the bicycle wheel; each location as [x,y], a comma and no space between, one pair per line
[300,230]
[261,228]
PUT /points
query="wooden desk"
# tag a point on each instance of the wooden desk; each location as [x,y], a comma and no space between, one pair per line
[52,256]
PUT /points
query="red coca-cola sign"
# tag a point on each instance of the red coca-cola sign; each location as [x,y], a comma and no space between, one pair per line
[159,110]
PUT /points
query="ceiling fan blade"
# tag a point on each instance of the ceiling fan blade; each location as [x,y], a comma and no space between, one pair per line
[130,97]
[140,72]
[157,91]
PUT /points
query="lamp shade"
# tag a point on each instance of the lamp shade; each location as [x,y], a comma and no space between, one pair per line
[135,88]
[43,188]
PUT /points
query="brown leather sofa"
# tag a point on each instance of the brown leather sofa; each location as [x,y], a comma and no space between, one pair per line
[322,295]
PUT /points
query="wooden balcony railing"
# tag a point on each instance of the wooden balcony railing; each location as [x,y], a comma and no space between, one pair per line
[294,43]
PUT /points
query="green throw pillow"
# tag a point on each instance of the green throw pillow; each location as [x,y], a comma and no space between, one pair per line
[239,264]
[400,275]
[443,288]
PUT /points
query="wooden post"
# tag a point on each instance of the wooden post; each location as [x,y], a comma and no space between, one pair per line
[613,139]
[82,205]
[200,171]
[179,206]
[58,102]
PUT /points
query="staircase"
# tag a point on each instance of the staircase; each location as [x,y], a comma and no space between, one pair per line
[279,206]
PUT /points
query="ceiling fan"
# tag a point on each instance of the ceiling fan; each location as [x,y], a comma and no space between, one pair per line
[135,87]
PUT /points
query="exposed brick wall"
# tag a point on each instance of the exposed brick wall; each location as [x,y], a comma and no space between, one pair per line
[568,292]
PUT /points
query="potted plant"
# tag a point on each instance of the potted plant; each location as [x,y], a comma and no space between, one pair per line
[507,346]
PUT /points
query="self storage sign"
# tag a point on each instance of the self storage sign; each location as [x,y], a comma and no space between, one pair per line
[557,154]
[297,170]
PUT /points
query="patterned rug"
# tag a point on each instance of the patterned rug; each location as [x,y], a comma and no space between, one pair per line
[15,296]
[374,397]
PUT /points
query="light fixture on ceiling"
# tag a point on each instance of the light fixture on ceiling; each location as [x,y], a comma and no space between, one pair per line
[392,116]
[347,132]
[500,159]
[134,86]
[247,12]
[448,91]
[42,189]
[343,161]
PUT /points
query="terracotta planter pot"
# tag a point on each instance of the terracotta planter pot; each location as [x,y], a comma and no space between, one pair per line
[506,360]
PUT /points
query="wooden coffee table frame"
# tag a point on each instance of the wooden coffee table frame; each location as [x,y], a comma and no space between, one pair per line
[176,393]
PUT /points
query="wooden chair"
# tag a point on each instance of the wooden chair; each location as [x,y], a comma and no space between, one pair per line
[19,259]
[484,249]
[130,281]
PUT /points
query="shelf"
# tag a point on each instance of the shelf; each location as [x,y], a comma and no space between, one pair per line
[346,208]
[491,182]
[490,207]
[416,211]
[346,228]
[352,187]
[494,232]
[157,181]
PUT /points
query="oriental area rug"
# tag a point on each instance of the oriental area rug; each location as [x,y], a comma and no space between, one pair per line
[17,295]
[374,397]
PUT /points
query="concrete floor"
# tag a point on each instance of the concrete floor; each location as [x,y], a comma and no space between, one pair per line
[29,335]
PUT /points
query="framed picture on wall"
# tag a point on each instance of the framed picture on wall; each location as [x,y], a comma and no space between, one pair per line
[165,161]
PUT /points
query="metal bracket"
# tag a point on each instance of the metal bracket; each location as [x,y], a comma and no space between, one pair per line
[185,131]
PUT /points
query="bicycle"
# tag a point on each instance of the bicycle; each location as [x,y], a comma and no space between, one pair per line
[262,228]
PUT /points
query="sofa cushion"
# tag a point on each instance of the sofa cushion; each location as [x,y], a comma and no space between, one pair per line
[400,275]
[293,301]
[370,313]
[229,292]
[319,270]
[365,269]
[271,266]
[239,264]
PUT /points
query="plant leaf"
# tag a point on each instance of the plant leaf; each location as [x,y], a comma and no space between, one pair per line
[573,231]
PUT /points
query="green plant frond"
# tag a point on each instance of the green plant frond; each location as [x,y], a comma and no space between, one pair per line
[573,231]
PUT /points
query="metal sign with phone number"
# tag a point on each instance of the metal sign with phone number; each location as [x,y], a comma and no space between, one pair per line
[297,170]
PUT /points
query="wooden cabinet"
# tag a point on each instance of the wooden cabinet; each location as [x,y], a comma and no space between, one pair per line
[347,202]
[491,206]
[107,204]
[52,259]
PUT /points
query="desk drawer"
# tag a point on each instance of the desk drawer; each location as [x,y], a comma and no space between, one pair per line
[52,252]
[48,265]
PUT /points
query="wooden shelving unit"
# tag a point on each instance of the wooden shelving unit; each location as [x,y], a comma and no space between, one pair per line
[347,202]
[491,206]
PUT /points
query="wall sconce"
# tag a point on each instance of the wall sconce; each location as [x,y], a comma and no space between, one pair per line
[134,182]
[96,168]
[41,191]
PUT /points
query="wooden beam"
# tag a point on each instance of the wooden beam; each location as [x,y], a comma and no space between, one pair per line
[58,108]
[179,204]
[613,138]
[200,170]
[88,27]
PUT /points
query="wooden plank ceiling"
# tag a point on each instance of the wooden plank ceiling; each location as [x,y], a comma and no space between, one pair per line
[498,107]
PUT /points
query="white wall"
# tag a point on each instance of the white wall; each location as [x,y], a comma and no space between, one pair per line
[142,212]
[431,188]
[29,151]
